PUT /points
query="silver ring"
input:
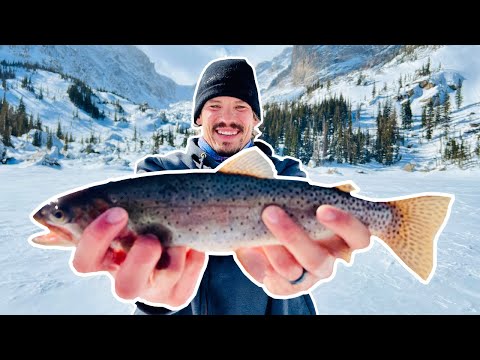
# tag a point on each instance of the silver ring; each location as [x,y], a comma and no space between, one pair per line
[300,279]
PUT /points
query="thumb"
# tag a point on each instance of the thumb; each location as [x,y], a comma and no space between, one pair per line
[254,261]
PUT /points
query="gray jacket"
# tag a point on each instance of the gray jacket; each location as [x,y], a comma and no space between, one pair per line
[224,289]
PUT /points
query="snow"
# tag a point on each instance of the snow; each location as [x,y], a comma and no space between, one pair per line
[123,69]
[40,281]
[448,65]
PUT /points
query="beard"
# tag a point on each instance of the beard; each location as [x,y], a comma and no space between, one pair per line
[228,149]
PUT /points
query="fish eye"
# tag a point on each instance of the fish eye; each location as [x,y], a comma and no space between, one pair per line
[58,215]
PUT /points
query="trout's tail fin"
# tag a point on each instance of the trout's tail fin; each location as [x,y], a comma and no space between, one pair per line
[417,223]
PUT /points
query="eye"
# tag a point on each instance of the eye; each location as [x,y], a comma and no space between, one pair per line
[58,216]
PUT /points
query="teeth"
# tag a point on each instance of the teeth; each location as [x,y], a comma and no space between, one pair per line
[223,132]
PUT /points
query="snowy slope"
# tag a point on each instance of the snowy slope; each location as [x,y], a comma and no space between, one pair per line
[116,137]
[448,65]
[123,69]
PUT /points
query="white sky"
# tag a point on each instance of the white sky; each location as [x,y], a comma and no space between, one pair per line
[184,63]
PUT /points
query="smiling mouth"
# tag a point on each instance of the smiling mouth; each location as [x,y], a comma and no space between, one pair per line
[224,132]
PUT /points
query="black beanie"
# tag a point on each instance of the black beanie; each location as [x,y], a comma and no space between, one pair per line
[227,77]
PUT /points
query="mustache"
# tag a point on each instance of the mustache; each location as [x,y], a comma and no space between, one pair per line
[232,126]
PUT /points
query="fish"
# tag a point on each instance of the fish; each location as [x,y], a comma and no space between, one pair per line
[219,211]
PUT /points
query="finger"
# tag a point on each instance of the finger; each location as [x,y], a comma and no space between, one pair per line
[165,279]
[189,280]
[355,234]
[254,261]
[313,257]
[96,239]
[134,273]
[278,285]
[283,262]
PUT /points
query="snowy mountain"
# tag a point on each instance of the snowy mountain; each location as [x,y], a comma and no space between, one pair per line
[139,106]
[123,132]
[369,75]
[122,69]
[268,72]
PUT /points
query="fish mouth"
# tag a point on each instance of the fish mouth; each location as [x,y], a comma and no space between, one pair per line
[56,237]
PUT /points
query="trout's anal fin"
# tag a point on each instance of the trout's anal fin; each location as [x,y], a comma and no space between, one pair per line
[250,162]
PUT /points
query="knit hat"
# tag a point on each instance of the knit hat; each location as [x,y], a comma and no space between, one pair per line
[227,77]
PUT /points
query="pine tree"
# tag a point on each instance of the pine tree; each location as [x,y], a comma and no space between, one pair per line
[59,131]
[38,123]
[30,122]
[424,116]
[37,141]
[170,137]
[360,79]
[406,115]
[135,138]
[6,138]
[156,142]
[437,115]
[446,113]
[325,142]
[49,140]
[65,146]
[458,94]
[4,121]
[25,82]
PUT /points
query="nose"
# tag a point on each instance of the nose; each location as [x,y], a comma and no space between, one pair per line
[227,113]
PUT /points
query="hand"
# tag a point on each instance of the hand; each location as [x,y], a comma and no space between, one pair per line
[138,275]
[276,266]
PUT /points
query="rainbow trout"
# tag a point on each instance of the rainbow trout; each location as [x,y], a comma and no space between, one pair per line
[220,210]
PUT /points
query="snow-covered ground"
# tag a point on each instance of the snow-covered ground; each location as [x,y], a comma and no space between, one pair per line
[40,281]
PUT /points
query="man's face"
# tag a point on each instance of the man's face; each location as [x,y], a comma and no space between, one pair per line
[227,124]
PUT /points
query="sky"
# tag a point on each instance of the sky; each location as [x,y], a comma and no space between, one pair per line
[184,63]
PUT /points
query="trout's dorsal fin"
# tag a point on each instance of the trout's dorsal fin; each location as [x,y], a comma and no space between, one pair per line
[250,162]
[348,187]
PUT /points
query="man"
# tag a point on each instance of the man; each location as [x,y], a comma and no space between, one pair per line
[264,280]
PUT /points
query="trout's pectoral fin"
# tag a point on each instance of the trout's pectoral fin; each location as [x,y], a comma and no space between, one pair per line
[250,162]
[163,233]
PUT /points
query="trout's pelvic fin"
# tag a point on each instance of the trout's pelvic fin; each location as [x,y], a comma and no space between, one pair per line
[250,162]
[416,224]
